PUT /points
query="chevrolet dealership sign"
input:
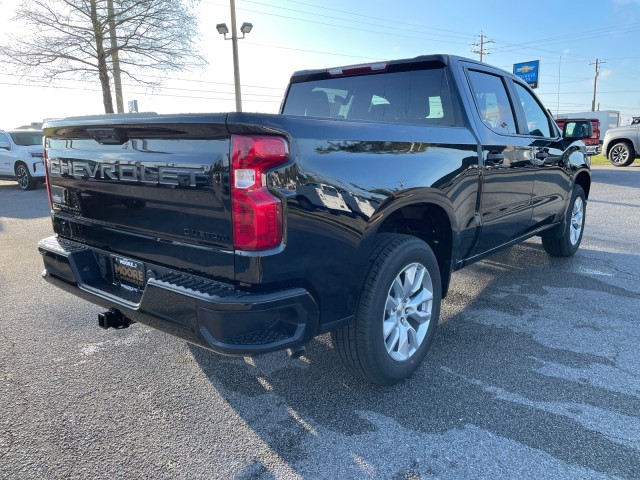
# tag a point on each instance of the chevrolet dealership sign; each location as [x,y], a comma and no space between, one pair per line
[528,71]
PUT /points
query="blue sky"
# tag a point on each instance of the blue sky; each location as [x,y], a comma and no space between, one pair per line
[291,35]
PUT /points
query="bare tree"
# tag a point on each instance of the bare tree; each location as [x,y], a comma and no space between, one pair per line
[97,38]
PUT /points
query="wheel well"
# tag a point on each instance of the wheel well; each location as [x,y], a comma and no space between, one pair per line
[620,140]
[17,164]
[431,224]
[584,181]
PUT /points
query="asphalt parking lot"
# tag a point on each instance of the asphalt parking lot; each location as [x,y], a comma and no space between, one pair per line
[534,373]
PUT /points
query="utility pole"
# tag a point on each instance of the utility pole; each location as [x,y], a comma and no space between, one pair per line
[595,81]
[558,104]
[480,47]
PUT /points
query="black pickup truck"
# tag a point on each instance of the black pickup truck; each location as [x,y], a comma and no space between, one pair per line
[345,213]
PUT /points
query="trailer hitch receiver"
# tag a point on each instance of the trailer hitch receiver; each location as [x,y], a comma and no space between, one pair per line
[113,319]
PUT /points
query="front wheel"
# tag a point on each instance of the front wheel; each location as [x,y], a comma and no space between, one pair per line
[397,313]
[621,154]
[25,180]
[568,242]
[305,203]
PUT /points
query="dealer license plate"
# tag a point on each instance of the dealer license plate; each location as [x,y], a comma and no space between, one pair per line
[128,273]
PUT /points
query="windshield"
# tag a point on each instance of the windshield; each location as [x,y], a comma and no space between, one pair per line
[26,138]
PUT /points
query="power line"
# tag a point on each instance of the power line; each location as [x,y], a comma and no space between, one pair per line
[624,67]
[457,34]
[343,27]
[619,107]
[14,75]
[589,91]
[155,94]
[572,36]
[386,20]
[554,53]
[333,17]
[314,51]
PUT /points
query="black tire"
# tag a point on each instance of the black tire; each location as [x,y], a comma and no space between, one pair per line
[621,154]
[25,180]
[568,241]
[362,345]
[305,203]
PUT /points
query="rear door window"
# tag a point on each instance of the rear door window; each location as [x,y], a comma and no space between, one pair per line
[492,101]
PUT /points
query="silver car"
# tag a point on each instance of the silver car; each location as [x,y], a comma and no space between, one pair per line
[621,145]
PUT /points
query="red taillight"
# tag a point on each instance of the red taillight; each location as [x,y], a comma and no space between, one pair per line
[46,172]
[257,213]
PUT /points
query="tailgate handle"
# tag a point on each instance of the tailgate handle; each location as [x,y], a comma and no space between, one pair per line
[108,136]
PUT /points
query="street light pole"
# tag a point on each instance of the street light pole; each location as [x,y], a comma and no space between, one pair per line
[236,63]
[223,30]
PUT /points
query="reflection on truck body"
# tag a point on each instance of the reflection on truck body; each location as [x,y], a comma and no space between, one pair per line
[358,205]
[321,195]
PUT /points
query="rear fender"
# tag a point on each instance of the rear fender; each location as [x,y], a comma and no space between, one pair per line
[420,198]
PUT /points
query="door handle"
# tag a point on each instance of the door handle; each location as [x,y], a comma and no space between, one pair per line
[494,158]
[544,158]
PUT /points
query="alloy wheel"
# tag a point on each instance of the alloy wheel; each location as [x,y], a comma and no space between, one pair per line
[619,154]
[407,312]
[23,176]
[577,215]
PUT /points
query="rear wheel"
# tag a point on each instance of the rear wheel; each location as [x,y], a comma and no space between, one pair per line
[25,181]
[621,154]
[568,242]
[397,313]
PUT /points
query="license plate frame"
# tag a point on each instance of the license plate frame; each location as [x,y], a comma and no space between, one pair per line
[128,273]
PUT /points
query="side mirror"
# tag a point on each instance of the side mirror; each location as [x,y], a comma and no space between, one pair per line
[577,130]
[5,146]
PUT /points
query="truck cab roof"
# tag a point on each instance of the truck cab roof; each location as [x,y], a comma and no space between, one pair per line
[389,66]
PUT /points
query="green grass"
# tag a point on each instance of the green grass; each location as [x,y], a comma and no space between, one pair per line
[599,160]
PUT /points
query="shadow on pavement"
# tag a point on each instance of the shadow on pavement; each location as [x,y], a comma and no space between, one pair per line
[476,373]
[621,176]
[15,203]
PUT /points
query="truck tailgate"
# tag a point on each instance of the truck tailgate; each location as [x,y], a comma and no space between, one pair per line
[156,190]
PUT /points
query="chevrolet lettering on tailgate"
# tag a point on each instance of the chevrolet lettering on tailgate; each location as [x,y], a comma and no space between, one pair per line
[131,172]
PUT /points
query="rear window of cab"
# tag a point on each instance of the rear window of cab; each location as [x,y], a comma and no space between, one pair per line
[415,96]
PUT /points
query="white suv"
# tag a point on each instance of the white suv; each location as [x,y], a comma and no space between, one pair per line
[21,157]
